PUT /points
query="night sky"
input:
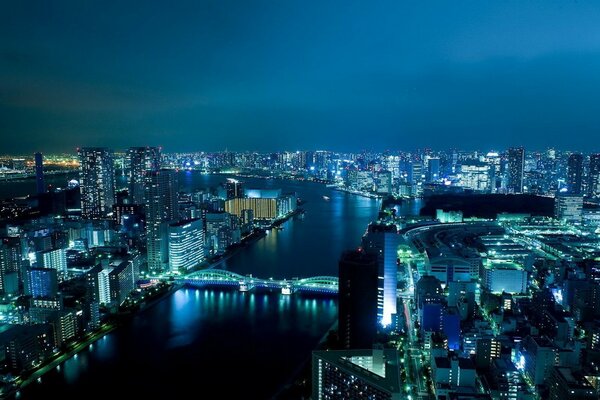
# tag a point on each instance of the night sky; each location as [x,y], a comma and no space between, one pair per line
[274,75]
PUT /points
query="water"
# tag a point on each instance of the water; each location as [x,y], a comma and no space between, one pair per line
[243,345]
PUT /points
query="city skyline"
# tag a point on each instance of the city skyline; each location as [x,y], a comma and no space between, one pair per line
[265,76]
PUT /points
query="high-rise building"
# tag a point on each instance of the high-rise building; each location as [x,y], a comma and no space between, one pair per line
[141,161]
[568,208]
[161,209]
[575,173]
[594,175]
[39,173]
[516,165]
[356,374]
[433,169]
[233,188]
[186,245]
[96,181]
[382,241]
[56,259]
[539,357]
[567,384]
[357,299]
[10,260]
[41,282]
[475,175]
[121,282]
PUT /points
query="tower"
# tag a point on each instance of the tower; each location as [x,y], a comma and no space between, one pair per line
[594,176]
[39,173]
[382,241]
[516,162]
[140,161]
[574,173]
[96,175]
[357,299]
[161,209]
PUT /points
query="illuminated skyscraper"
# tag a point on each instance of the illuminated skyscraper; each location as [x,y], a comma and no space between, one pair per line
[357,300]
[186,245]
[96,175]
[516,163]
[141,161]
[382,241]
[39,173]
[161,209]
[594,176]
[575,173]
[233,188]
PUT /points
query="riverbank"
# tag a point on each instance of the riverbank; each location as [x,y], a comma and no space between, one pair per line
[57,359]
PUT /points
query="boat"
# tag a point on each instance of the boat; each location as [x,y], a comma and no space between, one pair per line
[326,198]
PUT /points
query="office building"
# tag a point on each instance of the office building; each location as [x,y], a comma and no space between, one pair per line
[575,173]
[504,277]
[538,357]
[475,175]
[568,208]
[161,210]
[382,241]
[433,169]
[233,189]
[263,208]
[358,283]
[356,374]
[121,281]
[10,260]
[41,282]
[140,161]
[186,245]
[39,173]
[56,259]
[96,182]
[593,188]
[516,165]
[567,384]
[486,351]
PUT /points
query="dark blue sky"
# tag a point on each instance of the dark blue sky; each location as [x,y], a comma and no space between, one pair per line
[269,75]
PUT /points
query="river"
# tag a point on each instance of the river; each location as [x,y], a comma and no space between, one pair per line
[242,345]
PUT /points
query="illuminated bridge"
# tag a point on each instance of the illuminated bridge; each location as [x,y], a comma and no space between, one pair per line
[220,277]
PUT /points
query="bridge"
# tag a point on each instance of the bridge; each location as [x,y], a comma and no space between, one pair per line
[220,277]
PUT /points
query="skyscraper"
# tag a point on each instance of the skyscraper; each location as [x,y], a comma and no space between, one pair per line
[161,209]
[96,175]
[356,374]
[39,173]
[357,299]
[141,161]
[382,241]
[594,176]
[575,173]
[186,245]
[516,163]
[233,188]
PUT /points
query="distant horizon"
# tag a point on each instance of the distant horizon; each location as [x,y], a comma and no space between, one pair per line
[393,151]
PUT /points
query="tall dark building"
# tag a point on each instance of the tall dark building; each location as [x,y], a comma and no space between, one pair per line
[161,209]
[516,163]
[234,188]
[140,161]
[97,181]
[39,173]
[575,173]
[594,176]
[357,299]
